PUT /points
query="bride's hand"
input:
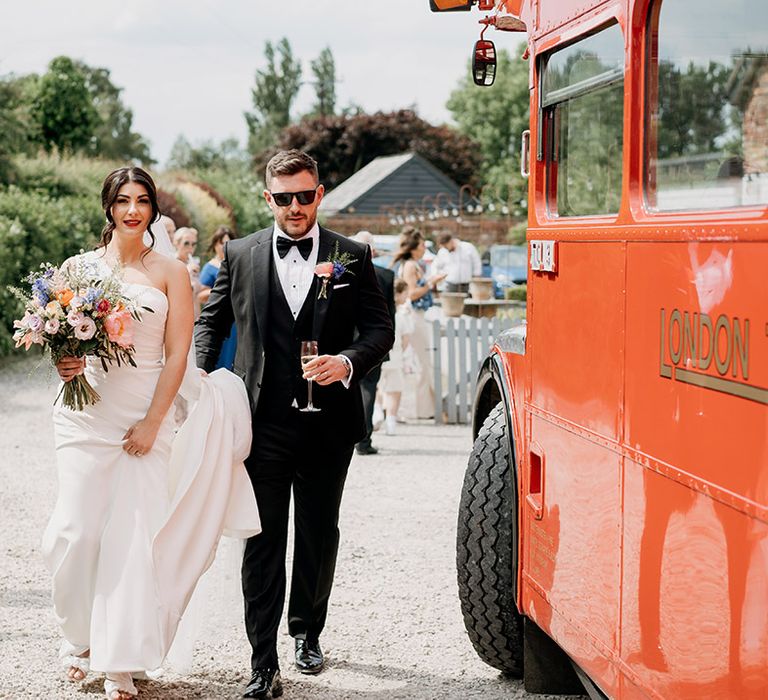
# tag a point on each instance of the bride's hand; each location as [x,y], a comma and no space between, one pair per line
[69,367]
[140,437]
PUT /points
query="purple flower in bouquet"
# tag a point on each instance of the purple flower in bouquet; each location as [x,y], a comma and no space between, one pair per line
[35,323]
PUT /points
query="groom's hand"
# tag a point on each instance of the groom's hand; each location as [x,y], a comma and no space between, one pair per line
[326,369]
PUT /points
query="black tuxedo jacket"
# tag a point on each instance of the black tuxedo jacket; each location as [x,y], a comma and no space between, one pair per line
[386,279]
[354,303]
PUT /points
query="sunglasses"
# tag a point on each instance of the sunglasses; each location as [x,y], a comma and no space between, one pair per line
[189,243]
[284,199]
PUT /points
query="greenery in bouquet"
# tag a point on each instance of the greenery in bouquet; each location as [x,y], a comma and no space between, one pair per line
[74,311]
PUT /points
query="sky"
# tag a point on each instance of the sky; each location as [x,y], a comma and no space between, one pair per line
[188,67]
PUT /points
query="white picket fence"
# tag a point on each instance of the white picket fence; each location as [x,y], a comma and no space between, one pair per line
[460,345]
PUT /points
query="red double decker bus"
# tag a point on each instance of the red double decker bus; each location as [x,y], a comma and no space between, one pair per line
[614,517]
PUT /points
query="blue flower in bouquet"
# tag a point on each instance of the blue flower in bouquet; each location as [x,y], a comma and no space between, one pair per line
[41,291]
[92,295]
[338,269]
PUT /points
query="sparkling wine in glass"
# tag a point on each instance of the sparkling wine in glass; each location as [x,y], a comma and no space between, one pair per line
[308,353]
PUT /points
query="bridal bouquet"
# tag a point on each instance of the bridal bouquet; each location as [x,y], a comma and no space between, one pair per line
[75,311]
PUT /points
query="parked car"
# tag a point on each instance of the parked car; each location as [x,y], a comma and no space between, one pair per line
[507,265]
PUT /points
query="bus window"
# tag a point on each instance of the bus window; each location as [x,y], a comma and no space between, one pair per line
[582,102]
[707,104]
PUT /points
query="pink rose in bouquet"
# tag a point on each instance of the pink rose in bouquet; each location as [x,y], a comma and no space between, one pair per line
[119,328]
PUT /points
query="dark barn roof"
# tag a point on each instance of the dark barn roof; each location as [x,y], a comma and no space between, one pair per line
[388,180]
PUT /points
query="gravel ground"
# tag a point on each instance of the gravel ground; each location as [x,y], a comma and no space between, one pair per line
[394,626]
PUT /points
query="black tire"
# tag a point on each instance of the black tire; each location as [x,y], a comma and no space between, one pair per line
[486,549]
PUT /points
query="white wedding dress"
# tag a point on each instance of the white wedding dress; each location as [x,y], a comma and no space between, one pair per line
[130,536]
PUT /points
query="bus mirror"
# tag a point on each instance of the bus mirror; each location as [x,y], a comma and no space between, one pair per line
[484,63]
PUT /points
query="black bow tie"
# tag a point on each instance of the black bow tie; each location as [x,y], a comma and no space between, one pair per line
[285,244]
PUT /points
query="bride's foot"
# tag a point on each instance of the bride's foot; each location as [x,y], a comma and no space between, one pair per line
[119,686]
[77,665]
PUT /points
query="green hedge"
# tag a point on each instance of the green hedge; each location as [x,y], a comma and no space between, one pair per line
[243,191]
[35,228]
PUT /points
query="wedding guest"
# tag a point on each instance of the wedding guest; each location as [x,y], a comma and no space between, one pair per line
[185,240]
[370,381]
[420,288]
[459,260]
[170,225]
[393,370]
[221,236]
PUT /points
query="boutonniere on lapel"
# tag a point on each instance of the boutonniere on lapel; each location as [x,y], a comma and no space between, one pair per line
[333,268]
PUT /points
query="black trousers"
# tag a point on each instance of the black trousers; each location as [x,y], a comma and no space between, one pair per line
[368,386]
[292,457]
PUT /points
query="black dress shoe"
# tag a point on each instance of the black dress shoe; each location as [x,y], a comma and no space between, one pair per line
[309,657]
[264,683]
[366,450]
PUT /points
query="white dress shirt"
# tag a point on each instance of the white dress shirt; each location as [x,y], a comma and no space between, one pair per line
[296,274]
[460,265]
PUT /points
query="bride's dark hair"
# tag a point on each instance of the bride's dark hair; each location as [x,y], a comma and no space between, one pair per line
[111,188]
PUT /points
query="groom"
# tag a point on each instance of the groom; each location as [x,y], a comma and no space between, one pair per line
[271,285]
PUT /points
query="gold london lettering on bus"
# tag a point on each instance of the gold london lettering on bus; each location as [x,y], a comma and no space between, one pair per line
[693,345]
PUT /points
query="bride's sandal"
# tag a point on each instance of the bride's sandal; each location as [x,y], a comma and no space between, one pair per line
[119,686]
[77,664]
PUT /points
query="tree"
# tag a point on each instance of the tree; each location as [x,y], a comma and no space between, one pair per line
[62,107]
[495,117]
[113,138]
[18,128]
[344,144]
[691,115]
[207,154]
[324,70]
[275,90]
[12,131]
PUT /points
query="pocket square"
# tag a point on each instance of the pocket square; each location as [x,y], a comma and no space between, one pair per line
[341,286]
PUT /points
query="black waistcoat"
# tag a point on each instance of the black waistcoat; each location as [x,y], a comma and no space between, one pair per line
[282,382]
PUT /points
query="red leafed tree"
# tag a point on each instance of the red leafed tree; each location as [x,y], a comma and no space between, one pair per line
[344,144]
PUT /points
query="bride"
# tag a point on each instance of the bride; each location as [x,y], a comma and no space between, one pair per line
[127,541]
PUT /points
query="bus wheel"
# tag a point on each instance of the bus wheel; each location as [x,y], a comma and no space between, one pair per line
[486,549]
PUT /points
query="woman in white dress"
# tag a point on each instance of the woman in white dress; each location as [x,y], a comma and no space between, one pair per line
[406,264]
[113,466]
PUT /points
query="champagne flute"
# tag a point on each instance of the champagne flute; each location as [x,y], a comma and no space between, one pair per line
[308,353]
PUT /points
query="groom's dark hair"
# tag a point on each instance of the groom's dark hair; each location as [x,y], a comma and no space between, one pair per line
[290,163]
